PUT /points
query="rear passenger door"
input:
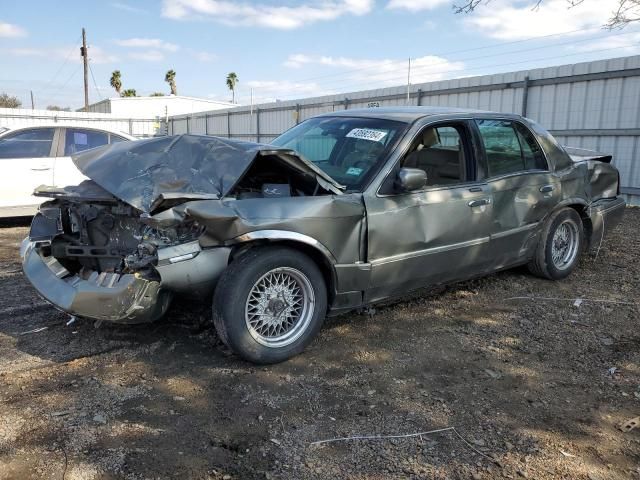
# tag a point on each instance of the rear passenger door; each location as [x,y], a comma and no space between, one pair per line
[75,140]
[523,188]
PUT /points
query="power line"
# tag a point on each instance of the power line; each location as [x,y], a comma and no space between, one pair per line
[66,60]
[502,64]
[94,82]
[416,68]
[453,52]
[64,85]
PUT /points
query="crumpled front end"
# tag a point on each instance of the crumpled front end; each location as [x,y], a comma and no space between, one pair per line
[91,255]
[126,298]
[162,216]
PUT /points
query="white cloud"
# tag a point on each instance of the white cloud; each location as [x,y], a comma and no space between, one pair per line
[264,15]
[203,56]
[154,43]
[127,8]
[147,55]
[629,44]
[350,74]
[96,55]
[10,30]
[416,5]
[509,20]
[69,53]
[385,72]
[265,91]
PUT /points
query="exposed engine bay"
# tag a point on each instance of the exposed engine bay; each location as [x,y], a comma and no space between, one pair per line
[270,177]
[109,237]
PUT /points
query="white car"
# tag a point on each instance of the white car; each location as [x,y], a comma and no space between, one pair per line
[41,155]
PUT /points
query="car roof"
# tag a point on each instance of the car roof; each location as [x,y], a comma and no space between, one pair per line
[411,114]
[6,129]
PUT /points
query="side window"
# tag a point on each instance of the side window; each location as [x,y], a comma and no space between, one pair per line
[534,158]
[79,139]
[502,147]
[510,147]
[315,146]
[439,151]
[32,143]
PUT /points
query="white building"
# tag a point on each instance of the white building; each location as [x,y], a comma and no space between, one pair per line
[156,107]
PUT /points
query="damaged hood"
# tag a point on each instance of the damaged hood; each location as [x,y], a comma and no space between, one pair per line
[180,168]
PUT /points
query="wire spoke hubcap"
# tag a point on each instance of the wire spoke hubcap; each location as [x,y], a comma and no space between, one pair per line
[564,245]
[279,307]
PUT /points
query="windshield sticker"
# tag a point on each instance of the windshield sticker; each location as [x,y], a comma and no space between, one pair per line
[354,171]
[367,134]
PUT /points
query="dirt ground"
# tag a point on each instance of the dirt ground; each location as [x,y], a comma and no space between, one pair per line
[535,387]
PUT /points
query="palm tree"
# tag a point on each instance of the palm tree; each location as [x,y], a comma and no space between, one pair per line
[129,92]
[170,78]
[232,79]
[116,81]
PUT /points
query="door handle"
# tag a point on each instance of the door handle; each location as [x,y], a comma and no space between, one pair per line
[546,188]
[43,169]
[480,202]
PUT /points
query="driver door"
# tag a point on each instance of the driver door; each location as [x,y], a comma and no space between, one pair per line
[439,233]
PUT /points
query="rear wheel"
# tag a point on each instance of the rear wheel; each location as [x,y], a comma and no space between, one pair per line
[560,245]
[269,304]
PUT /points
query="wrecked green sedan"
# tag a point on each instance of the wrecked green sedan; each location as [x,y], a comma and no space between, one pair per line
[342,211]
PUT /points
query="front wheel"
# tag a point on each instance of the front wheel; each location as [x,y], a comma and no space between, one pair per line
[560,245]
[269,304]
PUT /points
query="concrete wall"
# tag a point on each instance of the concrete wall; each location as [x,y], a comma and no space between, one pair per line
[593,105]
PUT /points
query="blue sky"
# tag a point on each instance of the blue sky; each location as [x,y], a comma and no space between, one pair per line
[287,50]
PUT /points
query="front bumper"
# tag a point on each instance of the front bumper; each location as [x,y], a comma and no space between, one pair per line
[605,215]
[121,298]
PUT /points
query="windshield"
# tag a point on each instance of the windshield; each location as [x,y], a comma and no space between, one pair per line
[348,149]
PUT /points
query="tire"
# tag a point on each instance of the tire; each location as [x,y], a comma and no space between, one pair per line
[560,245]
[285,311]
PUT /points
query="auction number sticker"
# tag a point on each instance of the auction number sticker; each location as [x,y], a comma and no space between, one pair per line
[367,134]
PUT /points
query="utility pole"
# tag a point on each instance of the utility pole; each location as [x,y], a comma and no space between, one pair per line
[408,80]
[85,61]
[32,104]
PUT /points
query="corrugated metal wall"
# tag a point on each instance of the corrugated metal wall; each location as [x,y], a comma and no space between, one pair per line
[140,127]
[593,105]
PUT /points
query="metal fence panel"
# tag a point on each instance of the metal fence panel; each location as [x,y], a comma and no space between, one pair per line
[20,117]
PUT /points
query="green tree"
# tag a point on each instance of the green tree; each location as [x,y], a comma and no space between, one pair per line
[116,81]
[232,80]
[129,92]
[170,78]
[8,101]
[156,94]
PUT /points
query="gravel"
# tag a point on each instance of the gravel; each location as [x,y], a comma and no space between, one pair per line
[534,388]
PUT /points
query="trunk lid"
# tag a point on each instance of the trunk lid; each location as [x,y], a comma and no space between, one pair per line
[583,155]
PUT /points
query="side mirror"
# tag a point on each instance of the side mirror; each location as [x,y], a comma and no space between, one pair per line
[410,179]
